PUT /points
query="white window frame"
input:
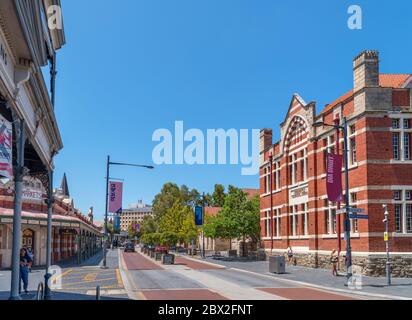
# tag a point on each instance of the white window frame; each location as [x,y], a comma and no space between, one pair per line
[406,213]
[402,149]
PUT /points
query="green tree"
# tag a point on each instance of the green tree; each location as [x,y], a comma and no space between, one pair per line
[180,220]
[239,217]
[163,201]
[218,196]
[169,238]
[148,225]
[170,194]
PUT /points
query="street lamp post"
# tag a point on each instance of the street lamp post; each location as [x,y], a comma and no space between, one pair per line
[386,238]
[347,227]
[203,220]
[338,227]
[108,164]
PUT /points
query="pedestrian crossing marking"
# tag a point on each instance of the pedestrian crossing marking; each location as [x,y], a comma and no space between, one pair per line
[119,279]
[90,277]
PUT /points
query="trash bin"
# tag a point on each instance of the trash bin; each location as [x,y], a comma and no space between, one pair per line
[277,264]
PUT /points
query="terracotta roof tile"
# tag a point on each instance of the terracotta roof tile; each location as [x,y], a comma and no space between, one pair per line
[212,211]
[393,80]
[385,81]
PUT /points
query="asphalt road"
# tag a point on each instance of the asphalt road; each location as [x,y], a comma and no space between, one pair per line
[190,279]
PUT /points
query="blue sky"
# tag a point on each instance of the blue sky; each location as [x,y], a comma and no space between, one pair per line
[130,69]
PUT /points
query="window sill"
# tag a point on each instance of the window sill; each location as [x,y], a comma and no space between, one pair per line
[335,236]
[299,237]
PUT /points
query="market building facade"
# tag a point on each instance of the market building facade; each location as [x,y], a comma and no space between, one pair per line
[295,211]
[30,138]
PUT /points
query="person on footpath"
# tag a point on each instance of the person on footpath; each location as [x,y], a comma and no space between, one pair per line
[290,255]
[25,261]
[334,261]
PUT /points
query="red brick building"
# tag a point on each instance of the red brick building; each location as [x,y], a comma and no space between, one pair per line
[294,207]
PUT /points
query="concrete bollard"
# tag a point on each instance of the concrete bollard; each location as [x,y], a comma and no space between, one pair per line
[98,293]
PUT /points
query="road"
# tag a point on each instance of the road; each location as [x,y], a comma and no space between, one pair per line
[189,279]
[138,277]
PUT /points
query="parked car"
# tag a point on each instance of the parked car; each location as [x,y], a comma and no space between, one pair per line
[129,247]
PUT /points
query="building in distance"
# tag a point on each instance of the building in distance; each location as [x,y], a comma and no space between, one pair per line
[134,214]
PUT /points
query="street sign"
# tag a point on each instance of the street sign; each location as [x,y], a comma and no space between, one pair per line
[353,210]
[358,216]
[386,236]
[198,216]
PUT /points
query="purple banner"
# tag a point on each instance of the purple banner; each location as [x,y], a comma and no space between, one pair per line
[334,177]
[115,197]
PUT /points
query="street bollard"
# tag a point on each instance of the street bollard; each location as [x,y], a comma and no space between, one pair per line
[98,293]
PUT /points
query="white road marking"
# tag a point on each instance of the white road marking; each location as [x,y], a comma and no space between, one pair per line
[225,288]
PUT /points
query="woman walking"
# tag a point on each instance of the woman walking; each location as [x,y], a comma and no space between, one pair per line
[334,260]
[290,255]
[25,261]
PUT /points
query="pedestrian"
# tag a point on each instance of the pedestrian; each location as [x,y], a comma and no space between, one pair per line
[334,259]
[25,261]
[31,255]
[290,255]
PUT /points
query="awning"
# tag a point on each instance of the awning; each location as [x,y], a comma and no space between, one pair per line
[6,216]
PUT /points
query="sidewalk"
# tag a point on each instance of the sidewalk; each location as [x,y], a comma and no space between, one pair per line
[321,278]
[37,276]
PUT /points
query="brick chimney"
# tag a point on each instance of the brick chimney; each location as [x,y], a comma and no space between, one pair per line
[266,139]
[366,70]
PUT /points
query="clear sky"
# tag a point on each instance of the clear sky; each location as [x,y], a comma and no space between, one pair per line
[130,67]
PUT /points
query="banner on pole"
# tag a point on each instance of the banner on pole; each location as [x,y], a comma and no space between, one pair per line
[198,216]
[117,222]
[115,197]
[334,177]
[6,150]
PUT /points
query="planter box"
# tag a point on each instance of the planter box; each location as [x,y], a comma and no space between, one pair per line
[261,255]
[232,253]
[168,259]
[158,256]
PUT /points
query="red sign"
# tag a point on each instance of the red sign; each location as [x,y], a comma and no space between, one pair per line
[334,177]
[115,197]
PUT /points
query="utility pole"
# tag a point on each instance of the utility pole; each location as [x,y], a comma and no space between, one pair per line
[347,226]
[50,200]
[347,206]
[106,213]
[203,221]
[338,218]
[108,164]
[271,201]
[386,238]
[19,172]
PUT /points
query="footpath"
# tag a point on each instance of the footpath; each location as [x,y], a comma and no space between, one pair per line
[401,288]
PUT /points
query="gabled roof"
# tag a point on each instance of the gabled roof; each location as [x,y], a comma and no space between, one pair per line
[298,98]
[395,81]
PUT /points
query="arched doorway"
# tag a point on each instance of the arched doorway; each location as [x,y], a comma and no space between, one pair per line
[28,239]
